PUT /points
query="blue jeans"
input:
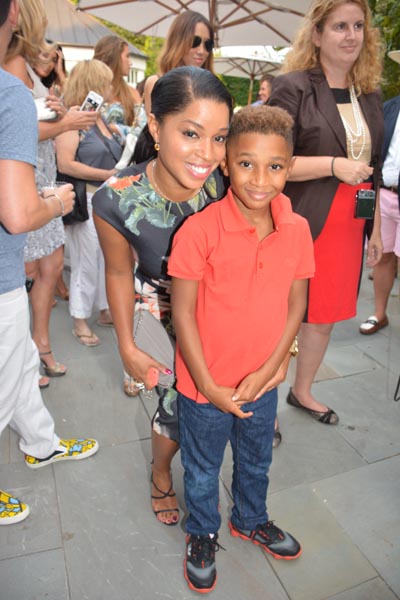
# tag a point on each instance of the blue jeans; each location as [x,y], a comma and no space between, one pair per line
[204,434]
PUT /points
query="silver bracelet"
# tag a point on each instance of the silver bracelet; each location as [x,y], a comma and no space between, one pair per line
[61,203]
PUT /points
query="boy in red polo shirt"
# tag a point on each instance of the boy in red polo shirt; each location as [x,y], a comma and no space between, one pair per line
[240,270]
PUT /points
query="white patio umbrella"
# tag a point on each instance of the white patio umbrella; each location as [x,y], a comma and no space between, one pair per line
[250,62]
[236,22]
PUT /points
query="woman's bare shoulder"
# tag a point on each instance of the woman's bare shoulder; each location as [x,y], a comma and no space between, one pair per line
[17,66]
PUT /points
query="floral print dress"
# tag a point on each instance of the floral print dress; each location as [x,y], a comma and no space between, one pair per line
[148,221]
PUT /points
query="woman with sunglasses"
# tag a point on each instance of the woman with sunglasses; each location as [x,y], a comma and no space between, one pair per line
[190,42]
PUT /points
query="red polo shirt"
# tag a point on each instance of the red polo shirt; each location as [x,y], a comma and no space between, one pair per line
[244,285]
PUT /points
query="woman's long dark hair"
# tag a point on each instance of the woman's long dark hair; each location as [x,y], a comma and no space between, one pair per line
[172,93]
[52,76]
[180,39]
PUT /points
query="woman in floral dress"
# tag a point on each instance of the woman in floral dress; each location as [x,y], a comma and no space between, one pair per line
[136,215]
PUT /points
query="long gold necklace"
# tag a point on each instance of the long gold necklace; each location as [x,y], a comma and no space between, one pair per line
[159,192]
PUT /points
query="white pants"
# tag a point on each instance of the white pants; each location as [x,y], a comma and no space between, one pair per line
[87,285]
[21,404]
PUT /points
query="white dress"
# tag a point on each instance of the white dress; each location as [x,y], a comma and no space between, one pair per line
[48,238]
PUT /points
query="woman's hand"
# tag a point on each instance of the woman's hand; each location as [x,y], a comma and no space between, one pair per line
[58,68]
[77,120]
[374,249]
[138,365]
[352,172]
[55,103]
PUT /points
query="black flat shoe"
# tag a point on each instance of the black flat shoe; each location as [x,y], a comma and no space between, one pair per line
[328,418]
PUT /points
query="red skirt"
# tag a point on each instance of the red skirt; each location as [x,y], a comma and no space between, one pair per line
[333,291]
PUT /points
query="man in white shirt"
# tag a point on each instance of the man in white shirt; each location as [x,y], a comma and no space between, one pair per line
[384,272]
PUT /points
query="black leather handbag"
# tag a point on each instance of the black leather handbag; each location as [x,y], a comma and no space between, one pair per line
[79,213]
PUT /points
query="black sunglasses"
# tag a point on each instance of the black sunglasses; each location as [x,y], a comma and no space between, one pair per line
[208,44]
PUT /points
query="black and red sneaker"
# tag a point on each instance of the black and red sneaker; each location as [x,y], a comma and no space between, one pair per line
[199,564]
[278,543]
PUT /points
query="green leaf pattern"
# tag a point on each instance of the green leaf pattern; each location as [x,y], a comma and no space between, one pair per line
[138,198]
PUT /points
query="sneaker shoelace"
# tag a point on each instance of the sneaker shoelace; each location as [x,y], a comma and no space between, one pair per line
[204,548]
[270,532]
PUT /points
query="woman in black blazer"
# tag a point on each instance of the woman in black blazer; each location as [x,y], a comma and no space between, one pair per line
[330,86]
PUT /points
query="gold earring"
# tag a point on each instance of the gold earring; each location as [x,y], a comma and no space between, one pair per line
[156,146]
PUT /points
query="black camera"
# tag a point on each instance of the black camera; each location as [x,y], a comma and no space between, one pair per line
[365,204]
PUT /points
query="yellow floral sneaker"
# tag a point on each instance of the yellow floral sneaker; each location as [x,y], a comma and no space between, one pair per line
[75,449]
[12,510]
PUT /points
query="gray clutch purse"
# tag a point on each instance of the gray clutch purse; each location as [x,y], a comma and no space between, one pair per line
[151,337]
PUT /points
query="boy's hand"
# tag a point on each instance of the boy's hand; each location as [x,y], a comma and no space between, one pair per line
[222,398]
[256,384]
[279,376]
[250,388]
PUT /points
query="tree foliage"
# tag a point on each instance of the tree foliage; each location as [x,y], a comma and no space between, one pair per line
[149,45]
[386,15]
[387,20]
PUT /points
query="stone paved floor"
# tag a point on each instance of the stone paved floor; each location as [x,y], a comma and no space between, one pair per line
[91,534]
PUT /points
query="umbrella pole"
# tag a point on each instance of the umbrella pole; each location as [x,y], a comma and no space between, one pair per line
[249,98]
[213,18]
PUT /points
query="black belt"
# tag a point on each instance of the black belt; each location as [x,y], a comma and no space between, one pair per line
[392,188]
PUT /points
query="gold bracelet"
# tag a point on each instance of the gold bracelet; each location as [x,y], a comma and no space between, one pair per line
[294,348]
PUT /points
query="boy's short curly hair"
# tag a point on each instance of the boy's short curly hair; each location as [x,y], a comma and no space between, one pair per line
[267,120]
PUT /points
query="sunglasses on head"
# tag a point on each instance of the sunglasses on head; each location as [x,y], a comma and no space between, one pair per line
[208,44]
[44,59]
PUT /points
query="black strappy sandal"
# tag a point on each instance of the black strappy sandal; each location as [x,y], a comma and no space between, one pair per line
[167,494]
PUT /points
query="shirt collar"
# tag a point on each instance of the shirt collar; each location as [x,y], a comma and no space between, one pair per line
[233,220]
